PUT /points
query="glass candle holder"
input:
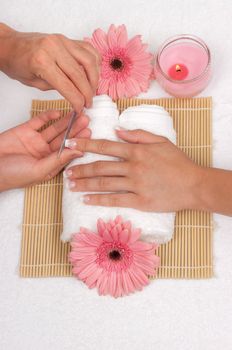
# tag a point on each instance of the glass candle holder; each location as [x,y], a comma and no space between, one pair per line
[183,66]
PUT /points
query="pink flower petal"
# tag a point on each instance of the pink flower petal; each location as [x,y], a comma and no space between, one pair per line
[135,234]
[100,40]
[107,236]
[122,36]
[112,283]
[103,87]
[114,234]
[102,282]
[112,37]
[141,246]
[125,236]
[113,92]
[92,278]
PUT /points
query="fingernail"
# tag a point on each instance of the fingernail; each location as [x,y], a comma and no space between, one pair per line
[85,199]
[67,173]
[71,143]
[120,128]
[71,184]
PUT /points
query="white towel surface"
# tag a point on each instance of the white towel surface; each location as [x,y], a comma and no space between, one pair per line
[156,227]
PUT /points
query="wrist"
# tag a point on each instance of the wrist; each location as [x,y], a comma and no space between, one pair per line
[199,191]
[6,34]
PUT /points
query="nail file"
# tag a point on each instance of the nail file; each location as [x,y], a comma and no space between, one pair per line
[70,124]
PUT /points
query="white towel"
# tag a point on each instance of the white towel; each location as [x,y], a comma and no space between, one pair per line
[104,118]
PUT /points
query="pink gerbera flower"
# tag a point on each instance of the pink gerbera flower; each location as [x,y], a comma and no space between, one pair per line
[113,260]
[126,65]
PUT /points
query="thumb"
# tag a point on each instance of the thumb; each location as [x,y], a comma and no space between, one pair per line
[140,136]
[50,166]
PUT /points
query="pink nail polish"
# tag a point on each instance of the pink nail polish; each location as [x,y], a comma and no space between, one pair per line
[85,199]
[120,128]
[67,173]
[71,184]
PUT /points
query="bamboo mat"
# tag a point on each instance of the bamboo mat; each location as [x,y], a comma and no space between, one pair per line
[187,255]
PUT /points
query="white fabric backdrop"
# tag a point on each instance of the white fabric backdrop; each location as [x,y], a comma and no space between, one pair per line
[59,313]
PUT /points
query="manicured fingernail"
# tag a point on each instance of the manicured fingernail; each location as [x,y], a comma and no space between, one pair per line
[71,143]
[71,184]
[120,128]
[85,199]
[67,173]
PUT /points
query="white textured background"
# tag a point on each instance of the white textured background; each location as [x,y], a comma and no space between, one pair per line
[60,313]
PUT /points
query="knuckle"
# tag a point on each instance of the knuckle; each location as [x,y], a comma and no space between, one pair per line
[89,60]
[87,45]
[80,171]
[48,177]
[81,101]
[102,146]
[52,39]
[84,144]
[102,183]
[97,168]
[113,201]
[39,58]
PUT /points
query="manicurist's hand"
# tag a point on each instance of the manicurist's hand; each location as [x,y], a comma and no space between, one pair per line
[153,174]
[28,156]
[51,61]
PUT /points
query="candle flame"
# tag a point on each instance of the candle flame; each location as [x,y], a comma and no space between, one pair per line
[178,69]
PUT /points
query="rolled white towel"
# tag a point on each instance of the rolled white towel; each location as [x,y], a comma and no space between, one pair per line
[104,118]
[156,227]
[103,121]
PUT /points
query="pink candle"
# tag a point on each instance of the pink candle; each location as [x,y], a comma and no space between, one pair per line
[183,66]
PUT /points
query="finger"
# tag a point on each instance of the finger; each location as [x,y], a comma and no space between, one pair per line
[51,165]
[40,120]
[105,147]
[56,143]
[140,136]
[59,81]
[100,184]
[100,168]
[125,200]
[84,134]
[60,126]
[87,60]
[76,74]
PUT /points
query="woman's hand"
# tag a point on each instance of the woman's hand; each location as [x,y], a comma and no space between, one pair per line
[51,61]
[28,156]
[153,174]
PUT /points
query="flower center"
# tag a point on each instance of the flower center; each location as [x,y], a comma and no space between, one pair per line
[116,64]
[115,255]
